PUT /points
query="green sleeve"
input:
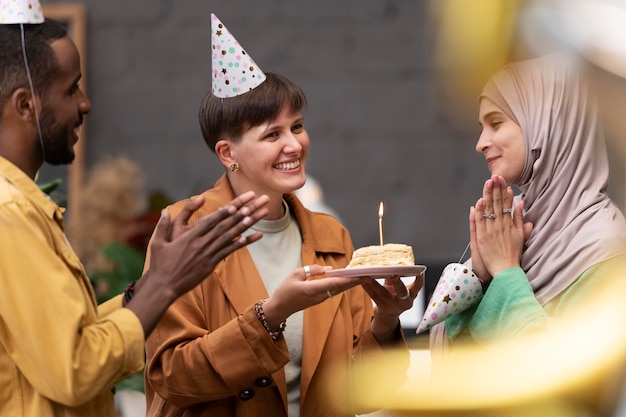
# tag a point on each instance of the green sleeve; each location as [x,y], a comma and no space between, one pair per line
[509,307]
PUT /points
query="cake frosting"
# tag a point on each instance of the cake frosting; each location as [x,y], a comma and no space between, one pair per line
[390,254]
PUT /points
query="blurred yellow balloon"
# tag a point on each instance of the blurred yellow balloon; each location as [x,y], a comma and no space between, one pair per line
[474,36]
[569,370]
[576,368]
[473,41]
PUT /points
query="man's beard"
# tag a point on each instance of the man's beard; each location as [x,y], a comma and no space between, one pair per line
[58,142]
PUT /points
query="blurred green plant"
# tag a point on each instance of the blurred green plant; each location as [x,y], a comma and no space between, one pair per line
[128,259]
[128,267]
[50,188]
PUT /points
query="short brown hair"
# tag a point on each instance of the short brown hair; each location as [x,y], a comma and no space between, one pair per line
[231,116]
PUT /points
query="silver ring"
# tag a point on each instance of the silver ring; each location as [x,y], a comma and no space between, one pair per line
[507,210]
[307,271]
[489,215]
[330,294]
[405,297]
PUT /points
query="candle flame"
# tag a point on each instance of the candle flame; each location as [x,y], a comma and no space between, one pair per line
[380,210]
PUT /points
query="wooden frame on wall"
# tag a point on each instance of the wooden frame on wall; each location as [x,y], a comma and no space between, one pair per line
[74,15]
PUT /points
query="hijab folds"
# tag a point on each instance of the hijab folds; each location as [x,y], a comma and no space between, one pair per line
[565,176]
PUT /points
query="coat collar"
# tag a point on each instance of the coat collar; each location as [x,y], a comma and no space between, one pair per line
[316,235]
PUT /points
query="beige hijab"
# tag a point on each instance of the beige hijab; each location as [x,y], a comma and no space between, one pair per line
[564,181]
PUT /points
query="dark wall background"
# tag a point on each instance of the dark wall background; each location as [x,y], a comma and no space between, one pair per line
[381,129]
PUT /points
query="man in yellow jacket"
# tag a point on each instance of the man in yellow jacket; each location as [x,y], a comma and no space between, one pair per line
[60,353]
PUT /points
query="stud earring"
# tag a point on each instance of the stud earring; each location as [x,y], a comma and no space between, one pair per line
[234,167]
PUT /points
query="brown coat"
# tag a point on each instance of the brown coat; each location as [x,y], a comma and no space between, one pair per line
[210,355]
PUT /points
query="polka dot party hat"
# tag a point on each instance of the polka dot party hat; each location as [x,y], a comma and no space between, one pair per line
[20,11]
[457,290]
[233,70]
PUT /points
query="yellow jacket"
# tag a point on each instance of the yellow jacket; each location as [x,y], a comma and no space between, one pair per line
[59,353]
[210,355]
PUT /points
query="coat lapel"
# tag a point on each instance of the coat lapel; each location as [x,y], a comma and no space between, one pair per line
[242,285]
[237,274]
[318,319]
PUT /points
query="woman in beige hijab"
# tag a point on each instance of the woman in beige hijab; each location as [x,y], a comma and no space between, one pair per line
[541,132]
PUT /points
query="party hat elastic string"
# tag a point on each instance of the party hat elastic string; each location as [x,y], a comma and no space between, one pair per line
[32,91]
[24,12]
[464,252]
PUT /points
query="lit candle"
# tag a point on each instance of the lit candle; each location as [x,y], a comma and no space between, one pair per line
[380,223]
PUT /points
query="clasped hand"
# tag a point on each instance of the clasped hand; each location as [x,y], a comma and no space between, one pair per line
[496,237]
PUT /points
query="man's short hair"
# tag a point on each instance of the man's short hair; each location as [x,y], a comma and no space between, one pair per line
[42,60]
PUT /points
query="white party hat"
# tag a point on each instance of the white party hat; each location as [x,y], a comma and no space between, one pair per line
[233,70]
[20,11]
[457,290]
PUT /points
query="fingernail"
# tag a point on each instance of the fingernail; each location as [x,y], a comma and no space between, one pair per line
[245,211]
[247,221]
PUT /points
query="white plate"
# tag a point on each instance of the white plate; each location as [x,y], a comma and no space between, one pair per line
[378,271]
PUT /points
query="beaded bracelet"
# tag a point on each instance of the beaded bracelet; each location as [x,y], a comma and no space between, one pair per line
[129,291]
[258,308]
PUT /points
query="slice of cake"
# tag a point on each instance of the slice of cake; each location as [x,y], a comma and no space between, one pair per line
[390,254]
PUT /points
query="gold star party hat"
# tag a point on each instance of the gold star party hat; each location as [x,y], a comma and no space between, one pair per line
[457,290]
[234,72]
[20,11]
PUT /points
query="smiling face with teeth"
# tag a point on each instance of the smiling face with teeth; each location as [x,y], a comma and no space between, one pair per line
[262,132]
[271,157]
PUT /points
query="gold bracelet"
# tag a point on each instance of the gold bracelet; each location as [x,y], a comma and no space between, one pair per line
[258,308]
